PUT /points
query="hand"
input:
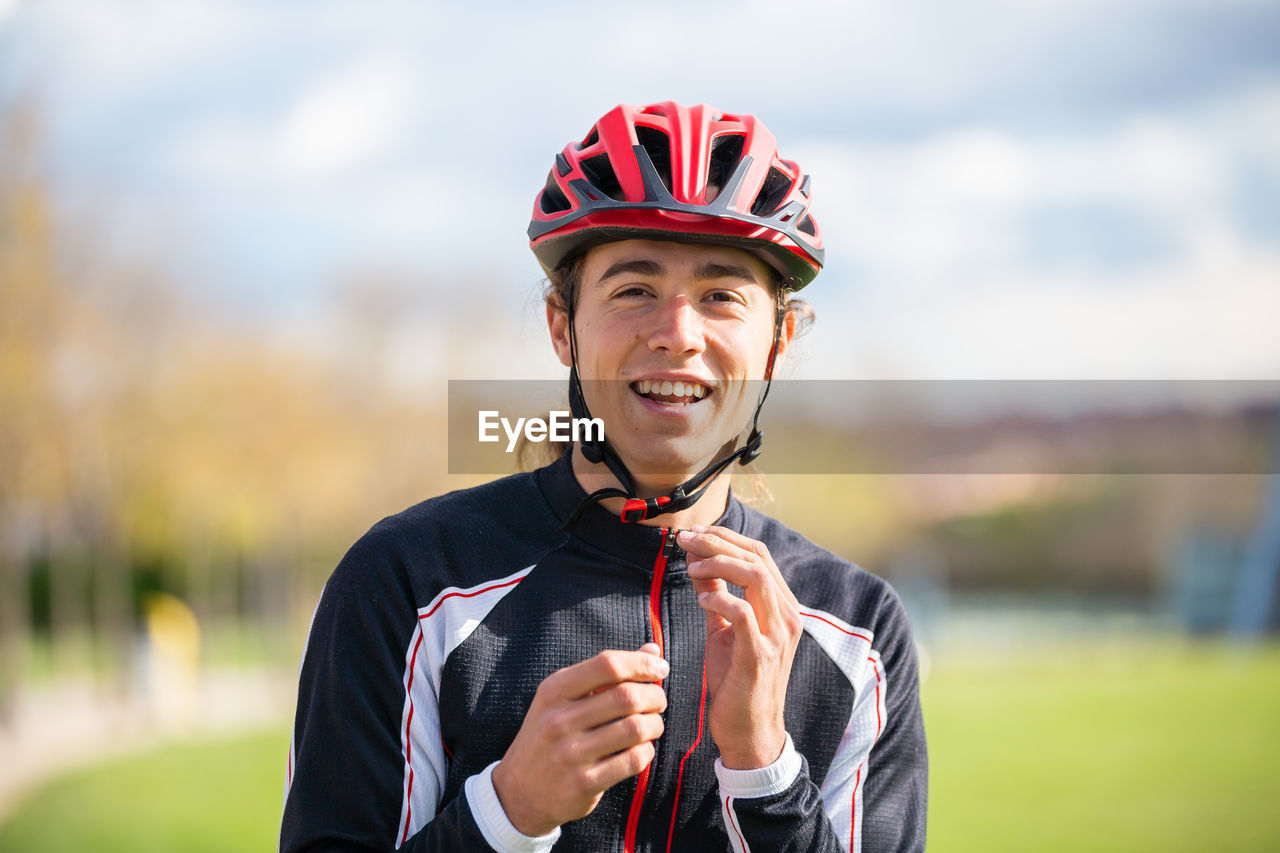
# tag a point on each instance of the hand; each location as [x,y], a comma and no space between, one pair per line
[750,643]
[589,727]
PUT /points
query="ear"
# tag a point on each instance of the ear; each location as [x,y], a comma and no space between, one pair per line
[558,325]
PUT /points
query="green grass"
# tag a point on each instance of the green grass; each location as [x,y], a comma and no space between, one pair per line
[209,796]
[1129,748]
[1102,749]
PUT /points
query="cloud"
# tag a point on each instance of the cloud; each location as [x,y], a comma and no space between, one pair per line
[984,198]
[220,150]
[339,121]
[347,118]
[116,48]
[977,165]
[1203,321]
[7,9]
[1114,250]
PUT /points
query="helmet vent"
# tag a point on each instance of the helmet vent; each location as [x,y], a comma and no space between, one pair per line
[684,173]
[599,172]
[775,189]
[658,146]
[726,151]
[552,199]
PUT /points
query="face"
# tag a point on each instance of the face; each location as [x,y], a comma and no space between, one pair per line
[649,313]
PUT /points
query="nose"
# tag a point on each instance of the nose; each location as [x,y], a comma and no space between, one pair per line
[677,328]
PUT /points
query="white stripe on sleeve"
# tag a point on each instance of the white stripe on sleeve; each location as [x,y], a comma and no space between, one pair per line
[850,648]
[443,625]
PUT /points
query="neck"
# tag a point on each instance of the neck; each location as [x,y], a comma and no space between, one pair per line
[709,508]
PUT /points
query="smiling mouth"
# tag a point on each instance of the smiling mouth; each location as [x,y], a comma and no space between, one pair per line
[671,393]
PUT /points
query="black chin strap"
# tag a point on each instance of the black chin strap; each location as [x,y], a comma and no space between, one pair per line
[686,494]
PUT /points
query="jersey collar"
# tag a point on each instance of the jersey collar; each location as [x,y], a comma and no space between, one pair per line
[635,543]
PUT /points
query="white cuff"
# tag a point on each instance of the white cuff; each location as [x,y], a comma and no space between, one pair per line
[494,825]
[763,781]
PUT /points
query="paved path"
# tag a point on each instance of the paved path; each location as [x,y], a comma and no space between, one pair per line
[60,726]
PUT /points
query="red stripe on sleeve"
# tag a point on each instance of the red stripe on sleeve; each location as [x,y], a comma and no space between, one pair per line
[837,627]
[853,810]
[472,594]
[408,757]
[728,810]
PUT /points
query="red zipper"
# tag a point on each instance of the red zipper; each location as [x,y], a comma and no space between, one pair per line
[655,625]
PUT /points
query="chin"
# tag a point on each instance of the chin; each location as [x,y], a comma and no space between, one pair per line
[673,460]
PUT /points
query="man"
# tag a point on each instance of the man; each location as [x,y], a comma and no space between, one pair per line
[610,653]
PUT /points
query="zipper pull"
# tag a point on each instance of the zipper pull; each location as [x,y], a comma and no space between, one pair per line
[669,545]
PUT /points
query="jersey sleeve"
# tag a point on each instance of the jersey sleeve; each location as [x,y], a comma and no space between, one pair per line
[873,797]
[347,788]
[895,776]
[774,808]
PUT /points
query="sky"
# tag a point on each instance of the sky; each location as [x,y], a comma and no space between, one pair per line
[1035,189]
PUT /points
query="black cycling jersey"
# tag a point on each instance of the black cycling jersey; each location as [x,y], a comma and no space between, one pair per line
[437,627]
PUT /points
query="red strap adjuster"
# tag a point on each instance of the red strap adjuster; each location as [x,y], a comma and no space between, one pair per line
[636,509]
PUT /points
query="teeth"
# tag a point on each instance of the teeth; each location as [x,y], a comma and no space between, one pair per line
[669,389]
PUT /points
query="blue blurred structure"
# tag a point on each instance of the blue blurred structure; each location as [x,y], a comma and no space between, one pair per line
[919,576]
[1203,580]
[1255,588]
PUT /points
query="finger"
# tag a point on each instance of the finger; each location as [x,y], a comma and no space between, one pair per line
[609,771]
[607,668]
[624,733]
[715,621]
[738,613]
[647,648]
[757,584]
[707,542]
[721,541]
[740,540]
[756,549]
[711,583]
[611,703]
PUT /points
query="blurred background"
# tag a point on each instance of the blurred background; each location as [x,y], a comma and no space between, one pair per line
[244,247]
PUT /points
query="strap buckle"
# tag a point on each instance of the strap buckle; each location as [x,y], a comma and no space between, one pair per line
[637,509]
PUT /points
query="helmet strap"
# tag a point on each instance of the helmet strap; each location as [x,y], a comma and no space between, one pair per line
[687,493]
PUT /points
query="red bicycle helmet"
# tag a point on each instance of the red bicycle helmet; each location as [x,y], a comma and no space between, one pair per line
[671,172]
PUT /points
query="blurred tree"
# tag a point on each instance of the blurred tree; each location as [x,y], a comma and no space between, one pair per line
[28,311]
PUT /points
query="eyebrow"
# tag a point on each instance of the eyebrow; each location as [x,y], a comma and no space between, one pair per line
[636,267]
[706,272]
[714,271]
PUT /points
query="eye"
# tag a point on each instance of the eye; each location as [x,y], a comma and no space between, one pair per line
[727,297]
